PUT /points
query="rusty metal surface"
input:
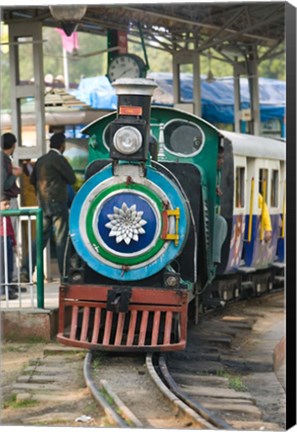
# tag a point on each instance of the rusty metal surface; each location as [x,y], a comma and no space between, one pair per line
[156,319]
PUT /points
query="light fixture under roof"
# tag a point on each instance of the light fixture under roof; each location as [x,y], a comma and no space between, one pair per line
[68,16]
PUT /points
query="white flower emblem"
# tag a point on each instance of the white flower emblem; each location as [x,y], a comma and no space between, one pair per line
[126,224]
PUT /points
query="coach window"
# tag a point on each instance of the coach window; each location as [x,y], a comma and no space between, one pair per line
[263,179]
[274,188]
[239,187]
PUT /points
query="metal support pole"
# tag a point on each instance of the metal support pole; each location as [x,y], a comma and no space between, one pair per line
[197,85]
[65,69]
[39,259]
[20,91]
[253,78]
[176,80]
[236,76]
[187,57]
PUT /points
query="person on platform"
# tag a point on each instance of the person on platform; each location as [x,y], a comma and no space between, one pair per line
[50,176]
[9,178]
[10,173]
[7,250]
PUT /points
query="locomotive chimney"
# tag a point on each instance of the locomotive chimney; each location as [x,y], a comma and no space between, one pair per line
[134,93]
[130,132]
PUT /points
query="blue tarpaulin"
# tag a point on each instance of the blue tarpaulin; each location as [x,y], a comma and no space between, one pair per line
[96,92]
[217,97]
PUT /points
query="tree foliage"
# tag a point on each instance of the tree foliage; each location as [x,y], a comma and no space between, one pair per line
[78,66]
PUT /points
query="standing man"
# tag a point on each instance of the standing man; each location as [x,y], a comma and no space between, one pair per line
[50,176]
[9,187]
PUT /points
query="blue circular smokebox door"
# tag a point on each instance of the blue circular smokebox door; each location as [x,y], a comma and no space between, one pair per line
[107,214]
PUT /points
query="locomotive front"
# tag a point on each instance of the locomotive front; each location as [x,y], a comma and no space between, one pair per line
[128,223]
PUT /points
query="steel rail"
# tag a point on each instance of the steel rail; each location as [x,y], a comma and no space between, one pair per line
[209,416]
[117,412]
[174,398]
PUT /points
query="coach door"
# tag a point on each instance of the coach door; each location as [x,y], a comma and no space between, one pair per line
[264,213]
[281,241]
[239,211]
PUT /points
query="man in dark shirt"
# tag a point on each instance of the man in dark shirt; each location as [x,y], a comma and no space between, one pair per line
[50,176]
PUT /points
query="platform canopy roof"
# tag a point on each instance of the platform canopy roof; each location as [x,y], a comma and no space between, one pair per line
[230,28]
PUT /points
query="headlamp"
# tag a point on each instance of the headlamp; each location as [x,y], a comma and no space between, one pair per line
[127,140]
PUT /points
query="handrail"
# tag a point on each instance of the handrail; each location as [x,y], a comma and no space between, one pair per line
[251,210]
[262,210]
[39,246]
[284,213]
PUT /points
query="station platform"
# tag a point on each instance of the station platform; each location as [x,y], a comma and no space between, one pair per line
[22,320]
[51,296]
[279,361]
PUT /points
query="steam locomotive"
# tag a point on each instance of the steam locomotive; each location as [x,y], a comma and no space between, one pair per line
[160,229]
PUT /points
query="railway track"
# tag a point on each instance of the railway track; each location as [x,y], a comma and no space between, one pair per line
[210,385]
[229,364]
[204,386]
[142,398]
[215,421]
